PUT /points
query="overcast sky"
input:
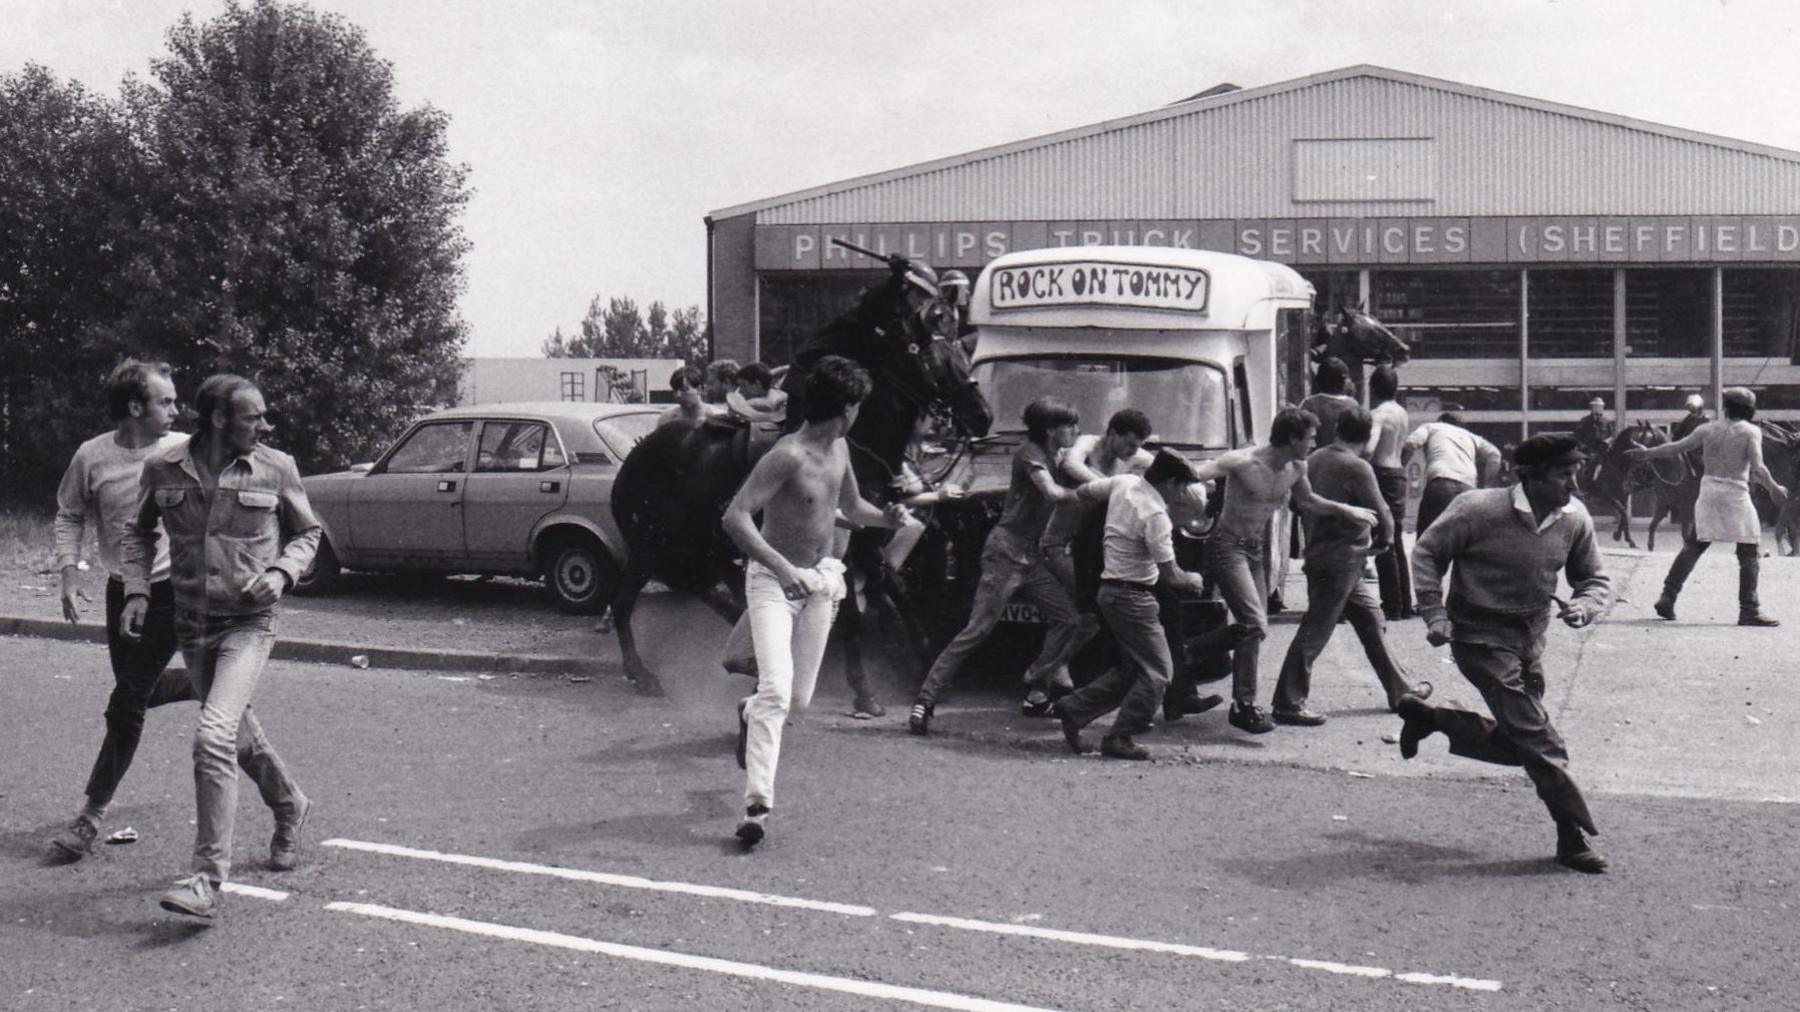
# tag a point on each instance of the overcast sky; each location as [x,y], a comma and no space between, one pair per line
[599,133]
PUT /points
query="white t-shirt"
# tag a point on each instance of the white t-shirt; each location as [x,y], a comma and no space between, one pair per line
[1139,535]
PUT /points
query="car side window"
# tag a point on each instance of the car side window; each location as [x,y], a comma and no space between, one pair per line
[622,432]
[517,446]
[437,448]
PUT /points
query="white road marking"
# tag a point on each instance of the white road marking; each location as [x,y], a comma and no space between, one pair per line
[257,892]
[1078,937]
[605,878]
[753,971]
[956,923]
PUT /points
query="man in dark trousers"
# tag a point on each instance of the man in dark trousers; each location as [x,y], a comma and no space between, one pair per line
[1139,550]
[1391,427]
[1335,550]
[1508,546]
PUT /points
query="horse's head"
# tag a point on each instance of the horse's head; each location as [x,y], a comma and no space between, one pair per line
[1370,337]
[914,346]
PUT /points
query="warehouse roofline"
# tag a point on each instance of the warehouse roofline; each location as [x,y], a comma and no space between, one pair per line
[1218,98]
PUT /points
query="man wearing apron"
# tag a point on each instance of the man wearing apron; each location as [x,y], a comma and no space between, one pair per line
[1732,451]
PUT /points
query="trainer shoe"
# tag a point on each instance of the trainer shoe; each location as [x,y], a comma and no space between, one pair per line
[919,720]
[743,742]
[1757,618]
[196,896]
[289,839]
[76,840]
[1036,704]
[754,825]
[1298,718]
[1665,607]
[1120,746]
[1174,709]
[866,708]
[1250,717]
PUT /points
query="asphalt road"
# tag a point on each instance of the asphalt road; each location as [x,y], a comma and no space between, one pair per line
[979,865]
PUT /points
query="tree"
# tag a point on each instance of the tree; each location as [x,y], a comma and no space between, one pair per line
[70,180]
[619,330]
[302,228]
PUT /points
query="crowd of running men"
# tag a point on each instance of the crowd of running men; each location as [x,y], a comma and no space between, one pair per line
[201,536]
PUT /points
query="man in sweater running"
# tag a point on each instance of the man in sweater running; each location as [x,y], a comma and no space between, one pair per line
[1508,546]
[1732,452]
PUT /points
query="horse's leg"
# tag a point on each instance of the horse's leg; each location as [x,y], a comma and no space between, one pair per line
[1656,518]
[631,584]
[1625,518]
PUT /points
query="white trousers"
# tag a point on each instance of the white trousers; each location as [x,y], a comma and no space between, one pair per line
[790,644]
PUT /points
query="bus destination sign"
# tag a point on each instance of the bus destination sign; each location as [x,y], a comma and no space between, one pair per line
[1099,283]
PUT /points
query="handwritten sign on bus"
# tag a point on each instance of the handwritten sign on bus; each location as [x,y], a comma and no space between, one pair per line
[1099,283]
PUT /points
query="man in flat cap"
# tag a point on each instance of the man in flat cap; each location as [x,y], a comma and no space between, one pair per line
[1731,451]
[1507,547]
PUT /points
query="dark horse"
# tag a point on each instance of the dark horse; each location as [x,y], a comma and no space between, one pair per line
[1356,338]
[1615,477]
[673,488]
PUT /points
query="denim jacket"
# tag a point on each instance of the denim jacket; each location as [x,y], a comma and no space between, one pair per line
[257,519]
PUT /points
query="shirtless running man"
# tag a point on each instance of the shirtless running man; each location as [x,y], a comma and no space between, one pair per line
[1261,480]
[793,582]
[1732,448]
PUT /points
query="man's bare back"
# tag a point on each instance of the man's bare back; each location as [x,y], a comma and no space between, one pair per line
[1390,434]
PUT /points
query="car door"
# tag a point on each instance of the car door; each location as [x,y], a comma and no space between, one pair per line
[521,475]
[406,513]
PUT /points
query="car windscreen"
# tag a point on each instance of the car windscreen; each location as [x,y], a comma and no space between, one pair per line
[1186,400]
[622,432]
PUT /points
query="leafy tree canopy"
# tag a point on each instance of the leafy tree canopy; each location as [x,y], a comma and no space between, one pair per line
[619,330]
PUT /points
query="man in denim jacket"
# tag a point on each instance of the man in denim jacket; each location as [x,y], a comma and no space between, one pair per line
[240,534]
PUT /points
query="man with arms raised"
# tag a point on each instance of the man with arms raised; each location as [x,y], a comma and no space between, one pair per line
[1732,450]
[792,581]
[1262,479]
[240,534]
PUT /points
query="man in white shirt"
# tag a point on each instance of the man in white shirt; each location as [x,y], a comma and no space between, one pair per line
[1456,460]
[1139,550]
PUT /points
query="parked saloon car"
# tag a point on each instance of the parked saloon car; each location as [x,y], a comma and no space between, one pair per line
[523,488]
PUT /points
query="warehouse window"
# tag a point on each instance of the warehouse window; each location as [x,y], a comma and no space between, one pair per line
[1451,313]
[1668,313]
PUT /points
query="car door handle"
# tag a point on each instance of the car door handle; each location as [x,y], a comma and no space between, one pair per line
[549,486]
[446,486]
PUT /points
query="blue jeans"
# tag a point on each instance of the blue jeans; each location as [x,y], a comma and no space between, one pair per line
[1334,592]
[225,658]
[1235,566]
[1010,567]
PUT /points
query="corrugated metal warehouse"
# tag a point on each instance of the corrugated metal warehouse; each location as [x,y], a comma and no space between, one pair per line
[1533,254]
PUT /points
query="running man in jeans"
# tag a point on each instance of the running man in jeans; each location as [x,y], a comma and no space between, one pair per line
[1335,550]
[99,490]
[1013,562]
[241,532]
[1262,479]
[1139,551]
[793,582]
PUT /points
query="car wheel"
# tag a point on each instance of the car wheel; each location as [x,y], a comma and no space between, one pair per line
[323,573]
[581,575]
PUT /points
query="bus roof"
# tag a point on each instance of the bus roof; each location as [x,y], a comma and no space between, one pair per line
[1154,287]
